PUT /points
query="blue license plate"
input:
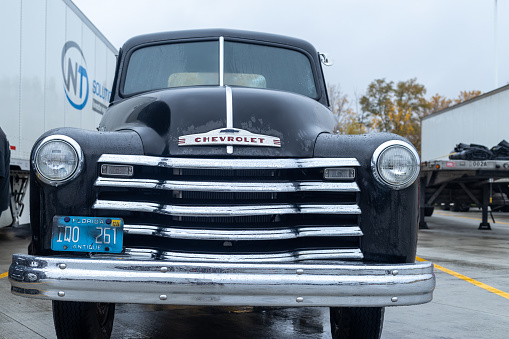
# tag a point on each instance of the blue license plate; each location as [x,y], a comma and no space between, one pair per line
[87,234]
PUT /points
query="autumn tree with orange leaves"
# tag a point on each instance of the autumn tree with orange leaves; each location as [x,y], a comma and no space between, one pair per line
[396,108]
[389,107]
[438,102]
[466,95]
[399,108]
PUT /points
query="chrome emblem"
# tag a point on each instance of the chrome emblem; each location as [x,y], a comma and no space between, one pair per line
[229,136]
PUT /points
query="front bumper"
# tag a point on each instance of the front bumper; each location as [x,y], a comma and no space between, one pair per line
[119,280]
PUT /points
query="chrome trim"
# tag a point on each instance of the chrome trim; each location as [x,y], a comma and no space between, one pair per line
[118,280]
[229,107]
[290,256]
[229,115]
[387,145]
[327,174]
[225,211]
[137,253]
[204,186]
[234,235]
[226,164]
[71,142]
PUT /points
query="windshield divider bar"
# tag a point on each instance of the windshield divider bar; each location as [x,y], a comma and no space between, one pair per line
[221,61]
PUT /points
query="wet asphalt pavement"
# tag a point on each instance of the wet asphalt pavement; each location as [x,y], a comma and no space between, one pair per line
[460,308]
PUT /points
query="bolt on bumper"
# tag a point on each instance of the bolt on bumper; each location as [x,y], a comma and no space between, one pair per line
[118,280]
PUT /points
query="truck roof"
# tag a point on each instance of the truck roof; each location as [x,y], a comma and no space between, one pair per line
[217,32]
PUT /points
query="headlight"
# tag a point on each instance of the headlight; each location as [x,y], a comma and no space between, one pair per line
[58,159]
[395,164]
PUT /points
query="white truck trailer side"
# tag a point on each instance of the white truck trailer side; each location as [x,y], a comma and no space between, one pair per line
[57,70]
[461,183]
[482,120]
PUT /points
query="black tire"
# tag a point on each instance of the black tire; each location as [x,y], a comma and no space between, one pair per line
[356,322]
[74,320]
[428,211]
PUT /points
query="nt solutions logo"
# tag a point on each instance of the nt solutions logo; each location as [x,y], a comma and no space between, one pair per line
[76,82]
[74,71]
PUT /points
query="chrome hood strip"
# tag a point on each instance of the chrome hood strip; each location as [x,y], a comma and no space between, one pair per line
[206,186]
[290,256]
[235,234]
[225,211]
[227,164]
[229,114]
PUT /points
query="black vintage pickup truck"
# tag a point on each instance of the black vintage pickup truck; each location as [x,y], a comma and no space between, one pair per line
[215,179]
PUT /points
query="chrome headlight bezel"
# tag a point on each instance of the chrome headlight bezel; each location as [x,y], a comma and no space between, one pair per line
[78,153]
[387,146]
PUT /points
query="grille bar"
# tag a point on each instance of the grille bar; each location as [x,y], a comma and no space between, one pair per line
[225,211]
[234,235]
[233,210]
[290,256]
[226,164]
[174,185]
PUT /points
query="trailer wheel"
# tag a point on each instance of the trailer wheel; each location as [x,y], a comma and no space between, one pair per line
[82,319]
[356,322]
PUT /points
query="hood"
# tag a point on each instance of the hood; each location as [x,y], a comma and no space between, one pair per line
[204,121]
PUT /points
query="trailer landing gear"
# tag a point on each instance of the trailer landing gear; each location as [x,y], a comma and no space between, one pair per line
[485,225]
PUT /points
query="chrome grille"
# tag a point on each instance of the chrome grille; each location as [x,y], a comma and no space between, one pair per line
[235,210]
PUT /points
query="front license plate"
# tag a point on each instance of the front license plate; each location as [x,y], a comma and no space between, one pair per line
[87,234]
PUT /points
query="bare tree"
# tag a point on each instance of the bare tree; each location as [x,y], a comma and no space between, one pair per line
[348,122]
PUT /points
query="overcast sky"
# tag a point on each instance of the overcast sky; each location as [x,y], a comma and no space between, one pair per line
[448,45]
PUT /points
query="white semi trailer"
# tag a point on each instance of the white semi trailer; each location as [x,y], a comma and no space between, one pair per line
[482,120]
[463,182]
[56,69]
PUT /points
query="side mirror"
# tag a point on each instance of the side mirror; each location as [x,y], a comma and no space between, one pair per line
[326,59]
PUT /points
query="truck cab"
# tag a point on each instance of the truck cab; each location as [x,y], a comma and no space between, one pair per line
[215,178]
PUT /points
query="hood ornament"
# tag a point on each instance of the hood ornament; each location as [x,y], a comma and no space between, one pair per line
[229,137]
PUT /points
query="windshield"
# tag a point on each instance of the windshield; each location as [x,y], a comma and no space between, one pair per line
[199,64]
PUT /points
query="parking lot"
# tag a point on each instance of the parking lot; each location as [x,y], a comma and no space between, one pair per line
[471,299]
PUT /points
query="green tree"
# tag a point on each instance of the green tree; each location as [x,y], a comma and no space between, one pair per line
[378,103]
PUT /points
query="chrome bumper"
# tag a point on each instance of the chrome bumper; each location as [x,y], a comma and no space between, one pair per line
[162,282]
